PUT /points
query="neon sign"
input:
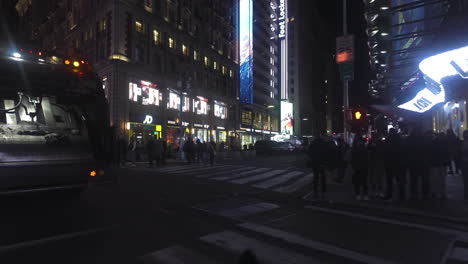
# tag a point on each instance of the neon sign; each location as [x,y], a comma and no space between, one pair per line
[148,119]
[282,19]
[438,67]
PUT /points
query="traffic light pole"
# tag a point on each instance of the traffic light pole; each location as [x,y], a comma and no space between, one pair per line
[345,83]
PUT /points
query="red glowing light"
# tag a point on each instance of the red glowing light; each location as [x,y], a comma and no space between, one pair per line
[343,57]
[30,51]
[39,53]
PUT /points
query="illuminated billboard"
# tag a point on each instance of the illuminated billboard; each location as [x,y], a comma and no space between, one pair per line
[246,51]
[144,93]
[287,120]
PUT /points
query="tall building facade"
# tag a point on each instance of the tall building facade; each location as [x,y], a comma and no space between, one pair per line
[169,68]
[312,77]
[259,69]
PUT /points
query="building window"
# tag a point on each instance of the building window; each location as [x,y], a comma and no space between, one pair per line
[272,61]
[185,50]
[220,110]
[272,72]
[196,55]
[272,83]
[139,26]
[272,50]
[144,93]
[207,61]
[156,37]
[201,106]
[174,101]
[272,95]
[171,43]
[186,104]
[215,65]
[231,73]
[102,25]
[149,5]
[223,70]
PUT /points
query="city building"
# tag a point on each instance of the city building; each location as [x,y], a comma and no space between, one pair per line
[259,68]
[169,68]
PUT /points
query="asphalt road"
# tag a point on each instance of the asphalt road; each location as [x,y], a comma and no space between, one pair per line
[202,214]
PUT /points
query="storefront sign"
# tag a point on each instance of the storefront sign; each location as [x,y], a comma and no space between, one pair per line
[148,120]
[246,50]
[144,92]
[222,128]
[438,67]
[185,124]
[206,126]
[197,125]
[282,19]
[171,122]
[201,106]
[423,101]
[258,130]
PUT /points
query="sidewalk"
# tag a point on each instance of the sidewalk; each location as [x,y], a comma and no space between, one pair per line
[452,209]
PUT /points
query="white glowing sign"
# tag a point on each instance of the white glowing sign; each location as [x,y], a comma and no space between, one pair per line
[437,67]
[148,119]
[282,19]
[423,101]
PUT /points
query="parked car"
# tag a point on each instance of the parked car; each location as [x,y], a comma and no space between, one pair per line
[264,147]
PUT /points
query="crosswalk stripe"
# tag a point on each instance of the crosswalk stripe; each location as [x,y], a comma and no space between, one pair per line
[177,168]
[176,255]
[303,181]
[222,172]
[258,177]
[278,180]
[183,169]
[266,253]
[242,174]
[191,171]
[312,244]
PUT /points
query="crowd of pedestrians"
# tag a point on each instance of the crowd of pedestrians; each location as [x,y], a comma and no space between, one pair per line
[199,152]
[382,168]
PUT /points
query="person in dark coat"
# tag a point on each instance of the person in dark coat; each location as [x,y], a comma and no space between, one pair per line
[341,163]
[394,167]
[376,166]
[150,149]
[453,144]
[417,159]
[211,151]
[439,160]
[189,149]
[360,164]
[464,163]
[319,157]
[199,150]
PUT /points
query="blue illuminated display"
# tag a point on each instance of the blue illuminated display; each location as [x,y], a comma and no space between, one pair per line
[246,51]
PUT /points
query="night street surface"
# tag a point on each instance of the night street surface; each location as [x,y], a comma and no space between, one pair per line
[201,214]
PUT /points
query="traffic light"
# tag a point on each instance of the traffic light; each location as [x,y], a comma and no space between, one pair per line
[358,122]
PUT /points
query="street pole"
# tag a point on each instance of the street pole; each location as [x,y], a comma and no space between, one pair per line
[345,81]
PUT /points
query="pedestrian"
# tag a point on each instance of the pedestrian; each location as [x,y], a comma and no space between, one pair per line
[158,150]
[189,150]
[318,161]
[199,150]
[440,159]
[131,152]
[394,168]
[150,148]
[163,151]
[464,162]
[453,144]
[417,160]
[205,154]
[360,164]
[212,151]
[376,166]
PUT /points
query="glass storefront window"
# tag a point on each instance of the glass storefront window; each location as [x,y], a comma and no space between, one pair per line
[201,106]
[246,118]
[258,121]
[222,136]
[201,133]
[174,101]
[144,93]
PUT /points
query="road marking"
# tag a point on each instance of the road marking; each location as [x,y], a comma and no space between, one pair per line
[243,174]
[266,253]
[176,255]
[461,236]
[312,244]
[176,168]
[36,242]
[278,180]
[237,169]
[459,254]
[183,170]
[258,177]
[248,210]
[303,181]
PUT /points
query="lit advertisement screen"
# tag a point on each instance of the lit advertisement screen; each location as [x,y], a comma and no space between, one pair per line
[287,120]
[246,51]
[144,93]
